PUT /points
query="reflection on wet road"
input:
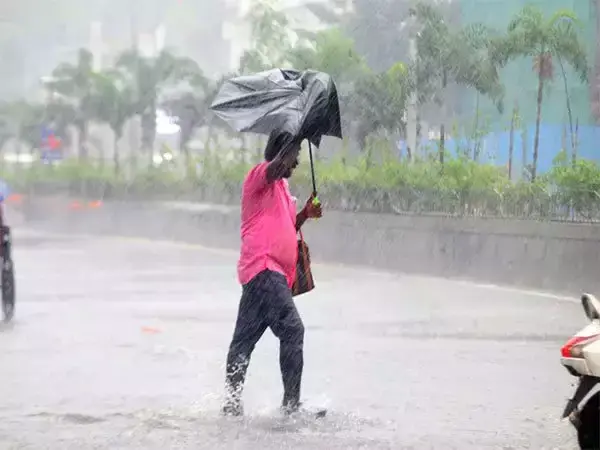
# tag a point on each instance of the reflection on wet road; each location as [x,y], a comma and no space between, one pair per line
[120,344]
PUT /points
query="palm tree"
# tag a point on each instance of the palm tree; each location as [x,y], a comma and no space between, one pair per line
[151,76]
[378,101]
[464,56]
[72,86]
[530,33]
[192,111]
[113,103]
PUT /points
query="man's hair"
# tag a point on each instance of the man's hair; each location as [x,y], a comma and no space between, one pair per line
[279,141]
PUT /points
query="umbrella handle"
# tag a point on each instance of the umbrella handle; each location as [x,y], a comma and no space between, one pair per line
[316,200]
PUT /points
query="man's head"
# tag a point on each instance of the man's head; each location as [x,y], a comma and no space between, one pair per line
[286,147]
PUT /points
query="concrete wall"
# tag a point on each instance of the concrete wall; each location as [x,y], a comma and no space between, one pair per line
[550,256]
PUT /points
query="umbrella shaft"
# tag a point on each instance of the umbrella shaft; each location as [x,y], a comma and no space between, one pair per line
[312,168]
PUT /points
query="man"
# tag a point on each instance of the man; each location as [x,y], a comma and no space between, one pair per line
[266,270]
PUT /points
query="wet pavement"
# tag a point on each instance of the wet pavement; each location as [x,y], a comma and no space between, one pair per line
[120,344]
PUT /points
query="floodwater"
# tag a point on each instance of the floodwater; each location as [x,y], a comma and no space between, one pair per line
[120,344]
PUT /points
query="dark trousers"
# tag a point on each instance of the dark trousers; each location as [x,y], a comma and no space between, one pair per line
[267,302]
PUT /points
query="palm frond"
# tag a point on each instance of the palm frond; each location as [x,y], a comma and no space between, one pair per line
[567,44]
[563,15]
[529,18]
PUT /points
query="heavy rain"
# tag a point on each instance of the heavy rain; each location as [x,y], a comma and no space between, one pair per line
[402,195]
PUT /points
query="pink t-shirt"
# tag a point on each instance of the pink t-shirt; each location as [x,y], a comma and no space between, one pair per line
[268,227]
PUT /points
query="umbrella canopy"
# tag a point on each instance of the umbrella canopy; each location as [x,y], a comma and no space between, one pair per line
[305,104]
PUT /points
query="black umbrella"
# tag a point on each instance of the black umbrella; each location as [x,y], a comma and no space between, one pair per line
[305,104]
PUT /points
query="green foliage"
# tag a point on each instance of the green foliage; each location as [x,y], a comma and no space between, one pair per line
[464,56]
[463,187]
[530,33]
[150,77]
[113,100]
[331,52]
[378,101]
[373,98]
[71,89]
[577,184]
[270,37]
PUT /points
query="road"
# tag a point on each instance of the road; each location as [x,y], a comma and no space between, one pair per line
[120,343]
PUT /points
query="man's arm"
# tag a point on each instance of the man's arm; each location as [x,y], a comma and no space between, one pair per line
[276,169]
[301,217]
[282,163]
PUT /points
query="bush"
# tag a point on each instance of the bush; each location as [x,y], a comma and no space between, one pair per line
[577,185]
[374,183]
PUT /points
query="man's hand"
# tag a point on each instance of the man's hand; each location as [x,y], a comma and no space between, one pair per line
[313,208]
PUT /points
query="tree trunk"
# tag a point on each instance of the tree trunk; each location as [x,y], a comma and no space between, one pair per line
[187,160]
[409,150]
[82,131]
[576,142]
[116,160]
[511,143]
[185,133]
[209,137]
[442,143]
[524,148]
[442,126]
[568,100]
[475,130]
[536,139]
[149,133]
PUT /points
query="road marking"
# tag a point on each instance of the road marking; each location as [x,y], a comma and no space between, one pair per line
[359,268]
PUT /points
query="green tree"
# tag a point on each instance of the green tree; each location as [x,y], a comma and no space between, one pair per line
[381,29]
[72,86]
[270,39]
[24,121]
[9,122]
[113,102]
[577,183]
[151,76]
[331,52]
[465,56]
[192,111]
[530,33]
[378,101]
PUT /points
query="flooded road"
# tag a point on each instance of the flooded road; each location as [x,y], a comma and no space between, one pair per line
[120,344]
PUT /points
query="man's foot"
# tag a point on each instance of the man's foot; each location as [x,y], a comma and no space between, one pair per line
[232,409]
[291,408]
[298,408]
